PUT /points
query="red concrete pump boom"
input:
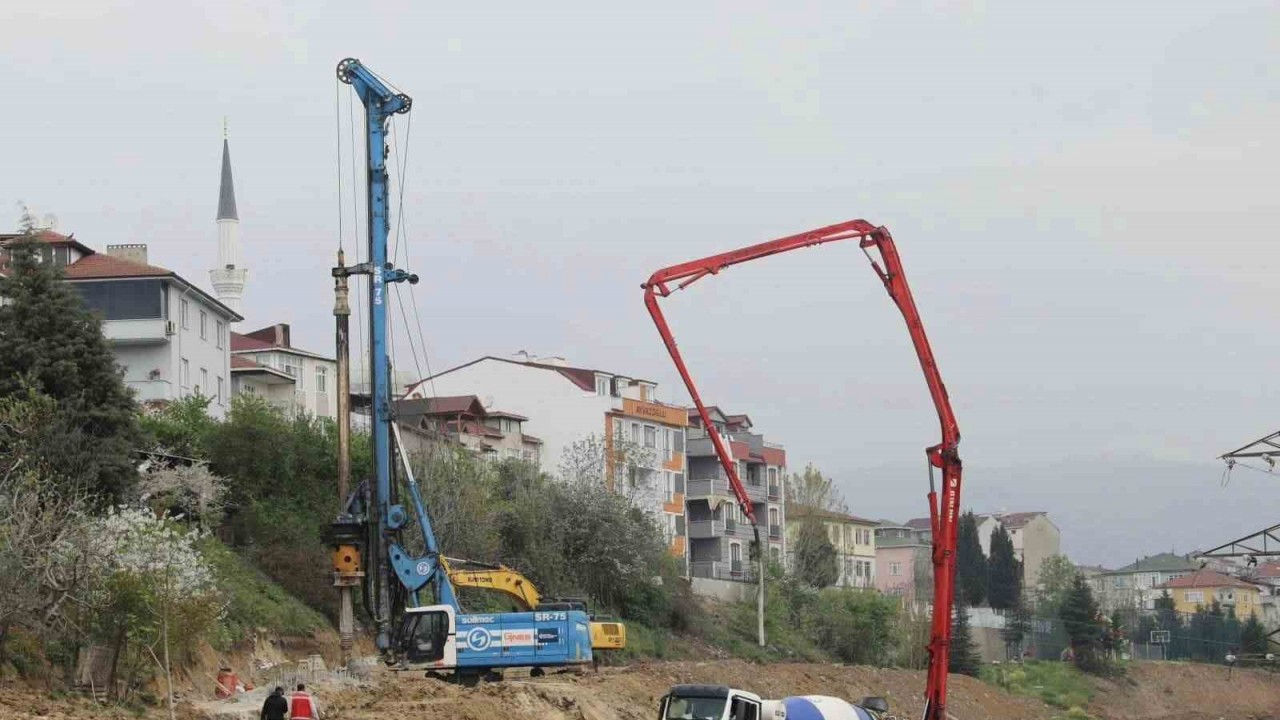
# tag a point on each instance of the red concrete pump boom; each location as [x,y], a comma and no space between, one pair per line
[944,514]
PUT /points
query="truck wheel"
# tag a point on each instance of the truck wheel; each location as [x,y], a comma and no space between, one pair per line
[467,678]
[537,672]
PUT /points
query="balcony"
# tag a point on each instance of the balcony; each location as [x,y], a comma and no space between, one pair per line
[706,529]
[706,487]
[135,332]
[152,390]
[719,570]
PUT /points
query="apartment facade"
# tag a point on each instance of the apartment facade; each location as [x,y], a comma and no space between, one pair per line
[1034,536]
[1203,587]
[853,538]
[589,421]
[170,337]
[1138,584]
[720,536]
[297,380]
[463,419]
[903,563]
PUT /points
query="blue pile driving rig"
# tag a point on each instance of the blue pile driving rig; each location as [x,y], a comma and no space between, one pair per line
[406,591]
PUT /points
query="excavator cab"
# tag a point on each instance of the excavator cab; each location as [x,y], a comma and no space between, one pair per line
[428,637]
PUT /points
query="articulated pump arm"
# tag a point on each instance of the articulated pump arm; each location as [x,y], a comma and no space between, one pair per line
[943,513]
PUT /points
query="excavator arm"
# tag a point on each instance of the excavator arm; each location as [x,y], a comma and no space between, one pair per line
[944,509]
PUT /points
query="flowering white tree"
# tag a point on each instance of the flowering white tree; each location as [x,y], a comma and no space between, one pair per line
[157,577]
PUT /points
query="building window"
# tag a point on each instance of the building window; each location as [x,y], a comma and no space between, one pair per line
[667,443]
[1194,596]
[204,325]
[670,486]
[220,333]
[895,568]
[184,377]
[183,313]
[773,476]
[322,379]
[220,391]
[296,372]
[203,387]
[735,553]
[650,437]
[602,385]
[247,389]
[635,433]
[773,516]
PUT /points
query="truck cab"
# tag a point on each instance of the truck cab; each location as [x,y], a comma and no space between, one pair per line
[715,702]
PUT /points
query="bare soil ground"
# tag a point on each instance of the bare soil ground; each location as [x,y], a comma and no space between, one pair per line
[1151,690]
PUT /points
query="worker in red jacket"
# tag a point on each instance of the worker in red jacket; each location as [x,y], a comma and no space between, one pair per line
[302,706]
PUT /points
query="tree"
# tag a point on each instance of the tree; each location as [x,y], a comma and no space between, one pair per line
[620,465]
[1017,625]
[1080,619]
[1004,587]
[964,658]
[1053,583]
[51,345]
[1253,637]
[812,491]
[971,564]
[816,564]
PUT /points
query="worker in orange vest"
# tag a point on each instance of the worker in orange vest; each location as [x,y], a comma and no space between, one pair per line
[302,706]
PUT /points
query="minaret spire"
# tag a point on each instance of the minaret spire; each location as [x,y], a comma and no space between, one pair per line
[230,275]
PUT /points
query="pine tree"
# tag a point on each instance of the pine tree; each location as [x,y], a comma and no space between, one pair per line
[1079,614]
[971,564]
[1253,637]
[51,345]
[1004,589]
[963,659]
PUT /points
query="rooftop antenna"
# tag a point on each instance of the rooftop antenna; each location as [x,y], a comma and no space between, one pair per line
[225,134]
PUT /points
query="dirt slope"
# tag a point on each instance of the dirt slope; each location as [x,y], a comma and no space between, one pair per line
[1150,691]
[1186,691]
[632,693]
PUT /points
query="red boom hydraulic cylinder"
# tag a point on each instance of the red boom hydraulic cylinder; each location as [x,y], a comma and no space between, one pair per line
[944,509]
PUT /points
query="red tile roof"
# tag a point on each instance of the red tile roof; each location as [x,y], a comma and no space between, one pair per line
[1268,570]
[105,266]
[531,439]
[508,415]
[584,378]
[1207,578]
[244,342]
[240,361]
[50,237]
[919,524]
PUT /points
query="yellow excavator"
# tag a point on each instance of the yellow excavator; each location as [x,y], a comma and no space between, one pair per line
[605,635]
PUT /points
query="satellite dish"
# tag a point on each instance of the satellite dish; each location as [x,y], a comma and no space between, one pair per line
[49,221]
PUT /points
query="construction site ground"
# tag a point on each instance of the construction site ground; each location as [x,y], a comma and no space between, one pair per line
[1167,691]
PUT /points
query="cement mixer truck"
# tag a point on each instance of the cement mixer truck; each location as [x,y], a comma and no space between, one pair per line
[718,702]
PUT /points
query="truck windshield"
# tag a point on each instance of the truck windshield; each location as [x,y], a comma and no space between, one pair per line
[695,708]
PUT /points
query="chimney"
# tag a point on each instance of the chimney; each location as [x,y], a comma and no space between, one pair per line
[282,335]
[136,253]
[277,335]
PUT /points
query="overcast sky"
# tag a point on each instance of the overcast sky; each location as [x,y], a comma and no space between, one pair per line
[1084,197]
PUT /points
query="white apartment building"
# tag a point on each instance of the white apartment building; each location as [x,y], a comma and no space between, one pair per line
[568,404]
[267,364]
[169,336]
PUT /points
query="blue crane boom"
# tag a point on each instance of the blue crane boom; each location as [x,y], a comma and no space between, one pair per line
[409,596]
